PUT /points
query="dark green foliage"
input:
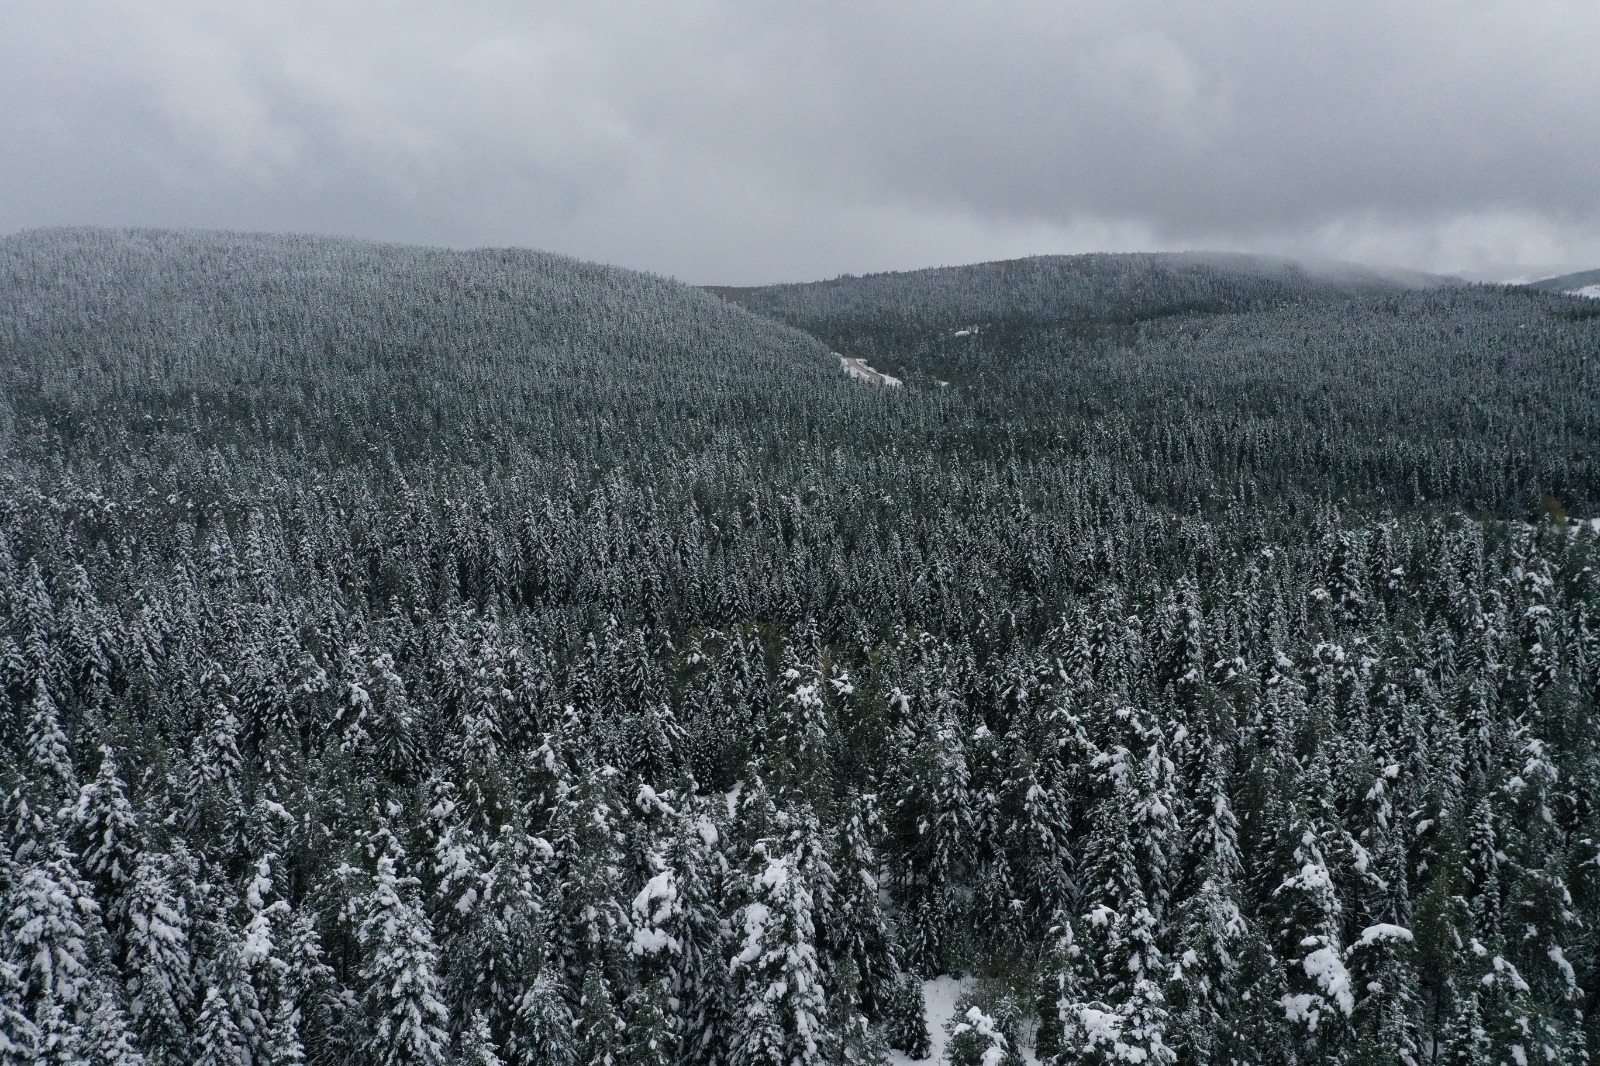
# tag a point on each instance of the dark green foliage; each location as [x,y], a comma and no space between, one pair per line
[413,655]
[904,1023]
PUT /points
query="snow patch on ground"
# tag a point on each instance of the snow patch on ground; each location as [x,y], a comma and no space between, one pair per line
[858,368]
[941,995]
[1590,291]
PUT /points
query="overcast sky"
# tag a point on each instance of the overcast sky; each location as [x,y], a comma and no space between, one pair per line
[748,142]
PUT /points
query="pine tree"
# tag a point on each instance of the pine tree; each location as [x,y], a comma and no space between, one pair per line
[47,928]
[311,986]
[652,1031]
[477,1044]
[157,967]
[977,1039]
[219,1040]
[1387,1015]
[404,1015]
[107,1041]
[796,749]
[599,1025]
[543,1030]
[53,774]
[651,1036]
[778,1001]
[104,820]
[860,930]
[19,1036]
[905,1022]
[1321,996]
[700,979]
[276,1037]
[214,790]
[1113,1006]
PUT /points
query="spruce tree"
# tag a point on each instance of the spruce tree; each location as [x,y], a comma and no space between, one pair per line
[403,1012]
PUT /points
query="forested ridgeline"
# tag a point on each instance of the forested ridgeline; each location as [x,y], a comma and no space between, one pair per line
[1051,289]
[415,656]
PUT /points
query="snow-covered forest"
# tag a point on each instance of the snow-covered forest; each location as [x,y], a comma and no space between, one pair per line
[432,657]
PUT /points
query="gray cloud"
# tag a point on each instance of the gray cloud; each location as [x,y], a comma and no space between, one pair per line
[760,141]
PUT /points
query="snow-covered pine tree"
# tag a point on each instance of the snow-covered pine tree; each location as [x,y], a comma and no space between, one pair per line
[477,1044]
[778,1003]
[543,1031]
[53,780]
[103,821]
[51,942]
[157,966]
[652,1031]
[905,1017]
[19,1036]
[1310,913]
[858,929]
[218,1039]
[602,1031]
[214,790]
[1113,1005]
[1388,1012]
[1211,928]
[402,1008]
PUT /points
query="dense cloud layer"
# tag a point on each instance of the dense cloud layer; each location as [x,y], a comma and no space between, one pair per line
[749,142]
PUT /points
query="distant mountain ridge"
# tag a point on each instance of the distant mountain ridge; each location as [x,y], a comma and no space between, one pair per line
[1060,289]
[1569,283]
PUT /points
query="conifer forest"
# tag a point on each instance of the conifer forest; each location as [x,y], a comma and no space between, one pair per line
[430,657]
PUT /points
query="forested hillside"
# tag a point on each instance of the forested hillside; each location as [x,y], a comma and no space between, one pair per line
[428,657]
[1583,279]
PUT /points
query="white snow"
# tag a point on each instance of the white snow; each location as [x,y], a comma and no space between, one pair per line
[1560,959]
[1326,968]
[652,908]
[1382,931]
[1590,291]
[1301,1007]
[995,1053]
[1504,971]
[940,996]
[1102,1028]
[756,917]
[858,368]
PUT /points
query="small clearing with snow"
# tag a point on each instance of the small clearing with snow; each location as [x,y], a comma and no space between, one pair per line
[941,996]
[858,368]
[1590,291]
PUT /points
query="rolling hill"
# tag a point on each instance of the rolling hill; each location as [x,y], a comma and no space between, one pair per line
[475,658]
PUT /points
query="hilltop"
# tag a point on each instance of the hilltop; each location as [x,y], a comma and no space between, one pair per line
[344,344]
[1582,283]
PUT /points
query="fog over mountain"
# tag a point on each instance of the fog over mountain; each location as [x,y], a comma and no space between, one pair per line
[745,144]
